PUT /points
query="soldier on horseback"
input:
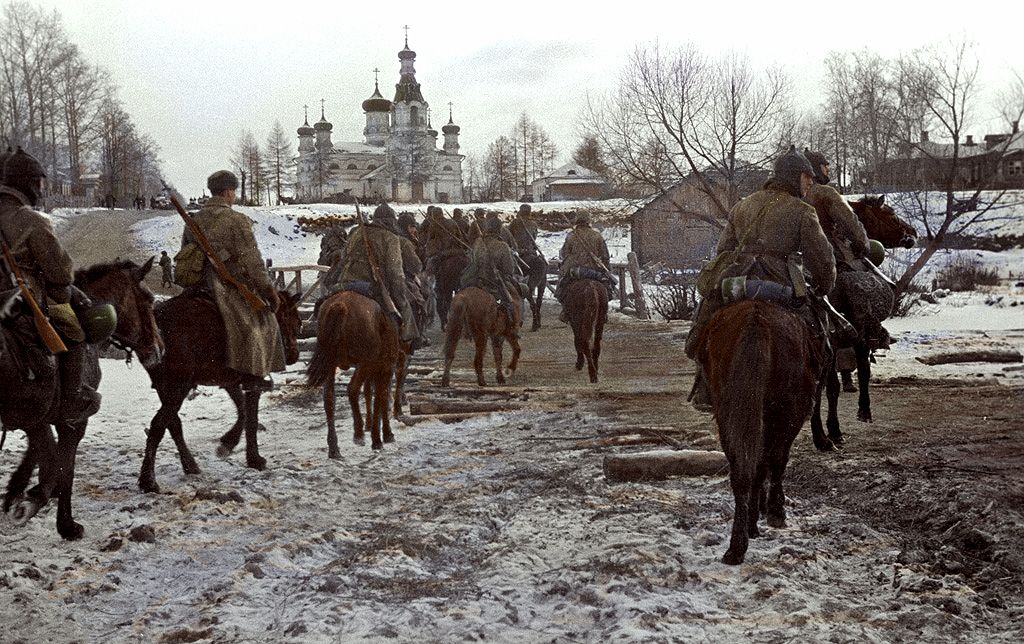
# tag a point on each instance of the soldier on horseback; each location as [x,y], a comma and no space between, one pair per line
[760,242]
[584,255]
[460,220]
[441,238]
[378,244]
[254,345]
[415,290]
[523,231]
[492,267]
[47,270]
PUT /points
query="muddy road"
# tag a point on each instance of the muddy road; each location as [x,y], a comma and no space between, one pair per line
[501,527]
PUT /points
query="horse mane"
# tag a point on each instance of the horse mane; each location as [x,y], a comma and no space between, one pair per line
[96,271]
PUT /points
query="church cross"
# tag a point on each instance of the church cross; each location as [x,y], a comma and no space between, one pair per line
[305,113]
[406,36]
[449,111]
[322,117]
[375,72]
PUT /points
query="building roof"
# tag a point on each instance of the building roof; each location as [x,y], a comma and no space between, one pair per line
[376,102]
[570,170]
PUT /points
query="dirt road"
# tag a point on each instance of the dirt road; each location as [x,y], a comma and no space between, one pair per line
[503,528]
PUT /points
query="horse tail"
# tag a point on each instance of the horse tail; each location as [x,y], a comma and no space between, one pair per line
[456,325]
[744,392]
[328,347]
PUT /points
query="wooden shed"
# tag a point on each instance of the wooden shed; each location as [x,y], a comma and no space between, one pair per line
[670,229]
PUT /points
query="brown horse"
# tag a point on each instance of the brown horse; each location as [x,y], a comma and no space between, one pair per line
[193,331]
[475,315]
[32,407]
[865,300]
[536,282]
[353,330]
[586,306]
[448,274]
[761,362]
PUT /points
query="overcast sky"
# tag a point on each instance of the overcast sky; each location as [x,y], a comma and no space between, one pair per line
[195,74]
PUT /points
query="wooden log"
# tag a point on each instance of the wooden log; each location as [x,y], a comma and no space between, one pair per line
[638,289]
[972,355]
[621,268]
[661,464]
[444,406]
[444,418]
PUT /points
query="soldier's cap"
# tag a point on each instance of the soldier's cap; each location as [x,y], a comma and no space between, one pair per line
[20,165]
[406,219]
[385,216]
[479,213]
[220,181]
[490,226]
[456,212]
[790,166]
[525,208]
[581,218]
[817,159]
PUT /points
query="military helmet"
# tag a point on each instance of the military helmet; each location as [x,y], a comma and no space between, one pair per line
[581,219]
[817,159]
[220,181]
[789,167]
[384,215]
[22,172]
[876,252]
[98,322]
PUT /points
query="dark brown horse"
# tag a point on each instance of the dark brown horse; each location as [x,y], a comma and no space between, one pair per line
[475,315]
[536,268]
[193,331]
[352,330]
[761,362]
[32,407]
[448,274]
[865,300]
[586,306]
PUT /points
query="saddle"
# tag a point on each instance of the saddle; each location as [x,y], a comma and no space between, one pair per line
[20,343]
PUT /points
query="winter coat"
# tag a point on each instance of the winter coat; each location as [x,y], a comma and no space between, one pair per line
[442,238]
[524,232]
[841,226]
[773,224]
[581,246]
[411,263]
[387,254]
[332,244]
[44,264]
[254,338]
[490,261]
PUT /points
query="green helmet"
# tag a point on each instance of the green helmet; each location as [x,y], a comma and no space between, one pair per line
[876,252]
[98,322]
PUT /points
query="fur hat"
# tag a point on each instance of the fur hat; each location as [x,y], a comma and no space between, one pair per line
[220,181]
[21,171]
[817,159]
[405,220]
[788,169]
[490,226]
[581,218]
[384,215]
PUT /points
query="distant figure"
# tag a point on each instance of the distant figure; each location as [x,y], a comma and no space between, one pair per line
[152,203]
[109,201]
[165,264]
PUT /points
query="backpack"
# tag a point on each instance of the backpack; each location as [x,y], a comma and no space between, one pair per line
[188,265]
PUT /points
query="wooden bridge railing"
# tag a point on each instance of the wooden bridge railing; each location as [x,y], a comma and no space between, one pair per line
[278,274]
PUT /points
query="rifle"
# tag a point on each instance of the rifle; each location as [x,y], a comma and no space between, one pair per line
[43,326]
[371,258]
[587,248]
[251,298]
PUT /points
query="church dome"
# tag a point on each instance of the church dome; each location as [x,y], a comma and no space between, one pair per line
[451,128]
[406,54]
[376,102]
[305,130]
[322,125]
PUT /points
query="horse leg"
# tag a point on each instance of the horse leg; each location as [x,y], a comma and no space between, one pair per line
[401,368]
[757,501]
[480,340]
[595,349]
[513,341]
[496,342]
[355,385]
[451,343]
[69,436]
[44,454]
[832,393]
[863,379]
[170,404]
[23,474]
[252,425]
[742,482]
[580,344]
[188,462]
[332,434]
[230,439]
[539,301]
[821,442]
[383,391]
[776,508]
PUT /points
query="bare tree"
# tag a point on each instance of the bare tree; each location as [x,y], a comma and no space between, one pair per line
[499,170]
[679,115]
[588,154]
[279,158]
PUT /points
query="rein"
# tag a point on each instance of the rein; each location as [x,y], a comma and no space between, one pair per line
[120,343]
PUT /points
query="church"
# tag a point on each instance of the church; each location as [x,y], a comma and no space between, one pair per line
[398,159]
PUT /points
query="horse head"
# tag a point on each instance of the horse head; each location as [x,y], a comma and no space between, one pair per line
[288,319]
[881,222]
[121,284]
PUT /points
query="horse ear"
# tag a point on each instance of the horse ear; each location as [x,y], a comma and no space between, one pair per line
[294,298]
[881,200]
[141,272]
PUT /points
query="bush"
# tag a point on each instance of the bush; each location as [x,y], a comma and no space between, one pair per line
[965,274]
[906,300]
[674,301]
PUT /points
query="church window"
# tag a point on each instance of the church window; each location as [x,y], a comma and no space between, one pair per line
[414,115]
[448,168]
[571,172]
[334,166]
[372,166]
[351,166]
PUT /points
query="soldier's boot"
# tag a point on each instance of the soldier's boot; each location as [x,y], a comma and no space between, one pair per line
[78,400]
[700,395]
[848,384]
[560,296]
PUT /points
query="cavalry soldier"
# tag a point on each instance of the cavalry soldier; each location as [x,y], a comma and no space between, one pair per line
[460,220]
[443,239]
[412,267]
[492,267]
[167,274]
[584,248]
[504,234]
[523,231]
[332,245]
[47,270]
[380,238]
[254,345]
[476,226]
[765,230]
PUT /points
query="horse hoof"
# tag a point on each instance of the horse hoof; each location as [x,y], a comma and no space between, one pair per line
[389,438]
[23,511]
[261,427]
[864,417]
[776,521]
[836,440]
[753,532]
[335,454]
[445,382]
[376,446]
[359,440]
[256,462]
[149,486]
[733,558]
[73,532]
[223,451]
[593,379]
[825,445]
